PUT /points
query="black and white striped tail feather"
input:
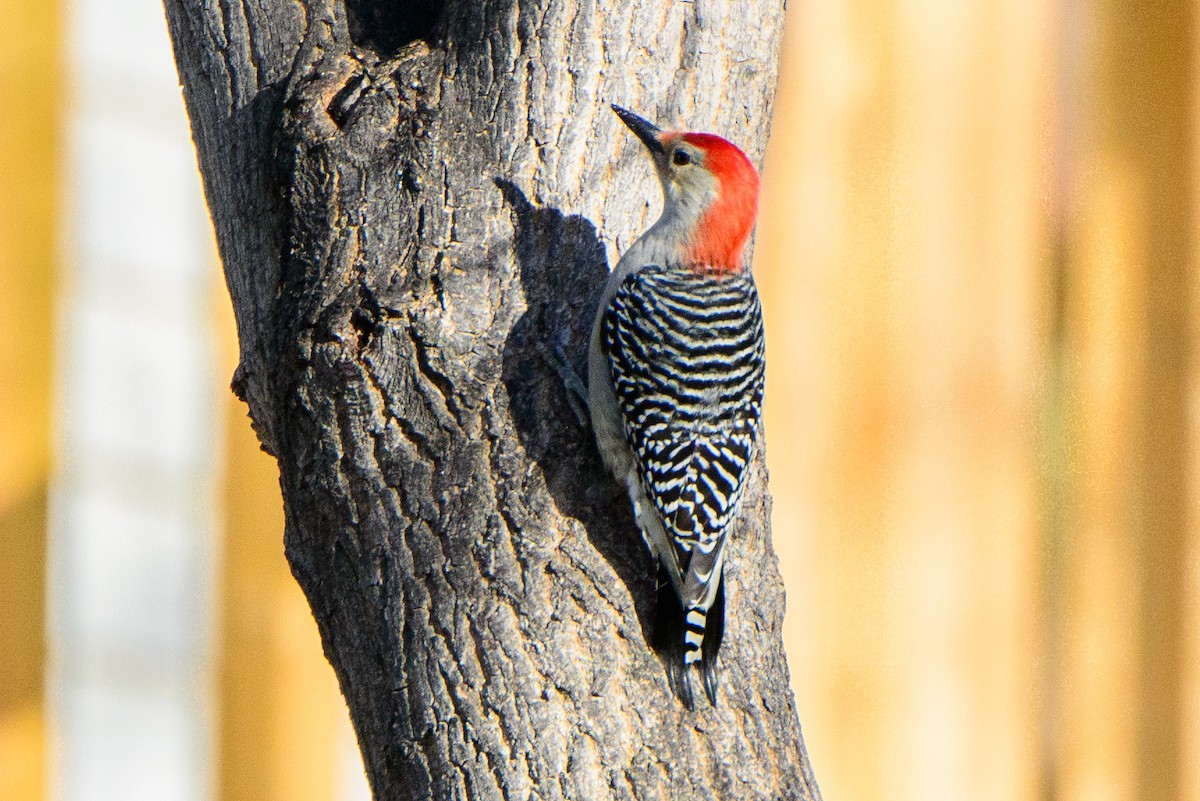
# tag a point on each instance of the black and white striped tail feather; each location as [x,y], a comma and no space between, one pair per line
[689,638]
[711,648]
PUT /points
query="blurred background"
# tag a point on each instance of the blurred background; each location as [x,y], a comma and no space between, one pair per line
[976,255]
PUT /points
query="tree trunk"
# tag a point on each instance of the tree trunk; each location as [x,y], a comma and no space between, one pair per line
[416,202]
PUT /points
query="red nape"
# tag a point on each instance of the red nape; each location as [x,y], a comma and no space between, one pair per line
[723,230]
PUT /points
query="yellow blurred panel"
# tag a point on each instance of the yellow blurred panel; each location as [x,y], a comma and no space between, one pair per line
[902,267]
[280,708]
[30,94]
[826,412]
[22,753]
[22,646]
[1098,678]
[1190,706]
[1130,264]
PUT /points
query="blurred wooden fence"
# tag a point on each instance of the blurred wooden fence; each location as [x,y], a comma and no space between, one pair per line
[977,264]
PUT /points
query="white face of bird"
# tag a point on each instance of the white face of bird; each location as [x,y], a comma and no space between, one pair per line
[688,186]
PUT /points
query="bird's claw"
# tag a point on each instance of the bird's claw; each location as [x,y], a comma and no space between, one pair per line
[577,394]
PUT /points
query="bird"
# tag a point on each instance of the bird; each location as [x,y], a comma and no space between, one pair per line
[675,384]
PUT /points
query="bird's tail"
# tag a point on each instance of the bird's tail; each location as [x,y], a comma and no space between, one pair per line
[690,637]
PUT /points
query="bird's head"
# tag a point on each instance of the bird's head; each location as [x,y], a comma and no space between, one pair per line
[710,192]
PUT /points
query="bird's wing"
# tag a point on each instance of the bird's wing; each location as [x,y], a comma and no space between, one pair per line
[686,351]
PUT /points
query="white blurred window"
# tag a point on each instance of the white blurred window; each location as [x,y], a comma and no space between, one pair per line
[133,525]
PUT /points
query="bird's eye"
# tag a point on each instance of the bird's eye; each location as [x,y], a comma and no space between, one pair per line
[681,157]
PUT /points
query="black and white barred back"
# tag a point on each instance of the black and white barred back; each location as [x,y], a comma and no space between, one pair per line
[686,352]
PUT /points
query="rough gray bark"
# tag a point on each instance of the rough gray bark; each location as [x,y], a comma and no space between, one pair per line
[414,202]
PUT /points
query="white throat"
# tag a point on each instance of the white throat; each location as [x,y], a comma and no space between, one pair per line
[684,203]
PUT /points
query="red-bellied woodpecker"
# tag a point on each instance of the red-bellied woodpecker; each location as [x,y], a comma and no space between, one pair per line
[675,382]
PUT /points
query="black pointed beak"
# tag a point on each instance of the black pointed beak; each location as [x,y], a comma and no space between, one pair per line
[646,131]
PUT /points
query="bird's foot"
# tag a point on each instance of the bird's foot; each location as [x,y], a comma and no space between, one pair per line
[577,394]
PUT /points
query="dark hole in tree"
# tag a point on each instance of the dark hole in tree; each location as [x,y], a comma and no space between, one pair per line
[385,26]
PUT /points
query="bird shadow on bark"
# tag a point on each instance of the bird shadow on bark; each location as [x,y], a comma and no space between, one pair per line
[563,268]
